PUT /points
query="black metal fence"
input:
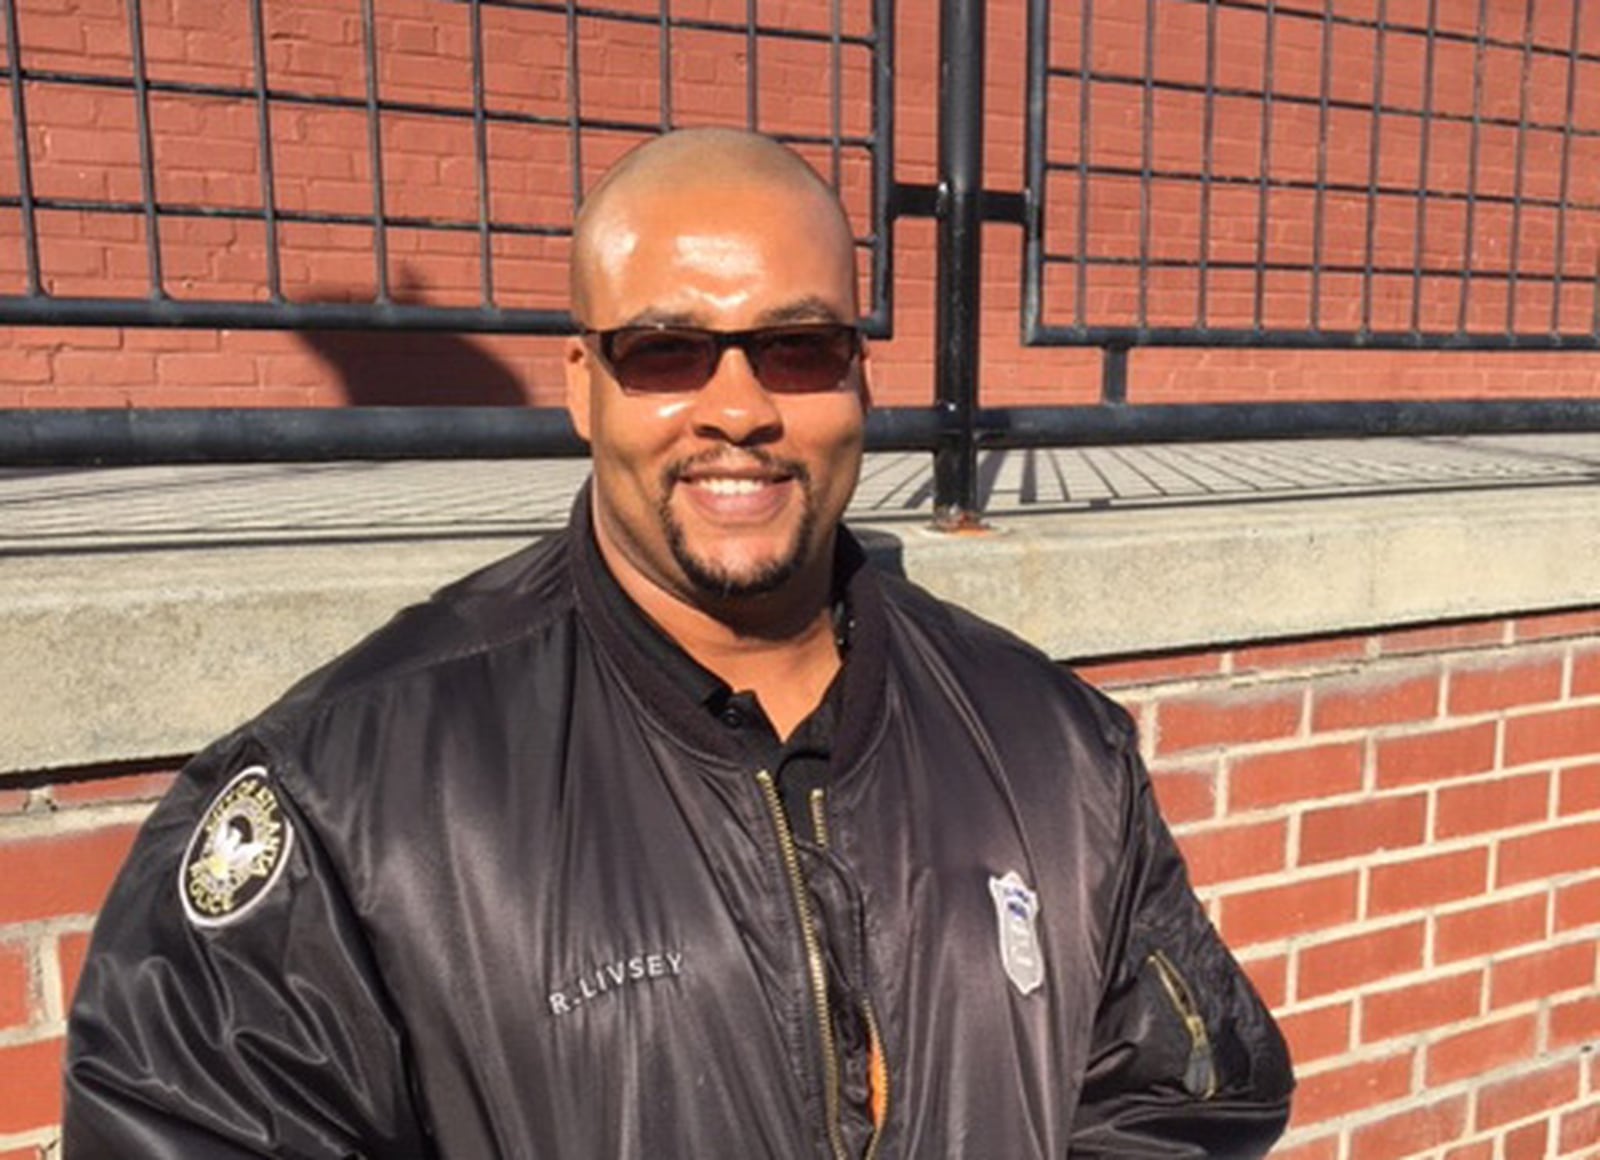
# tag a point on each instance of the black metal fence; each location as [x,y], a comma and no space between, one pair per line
[1224,173]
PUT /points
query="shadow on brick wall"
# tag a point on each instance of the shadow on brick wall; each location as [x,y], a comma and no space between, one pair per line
[413,369]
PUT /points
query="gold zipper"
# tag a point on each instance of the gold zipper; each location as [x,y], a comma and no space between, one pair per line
[819,817]
[814,961]
[1200,1076]
[878,1068]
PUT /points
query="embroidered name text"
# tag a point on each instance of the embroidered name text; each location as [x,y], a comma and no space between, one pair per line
[609,977]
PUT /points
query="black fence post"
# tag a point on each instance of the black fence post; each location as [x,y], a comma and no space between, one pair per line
[957,299]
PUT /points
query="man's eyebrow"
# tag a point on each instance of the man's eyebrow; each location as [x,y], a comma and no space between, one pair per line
[652,316]
[811,308]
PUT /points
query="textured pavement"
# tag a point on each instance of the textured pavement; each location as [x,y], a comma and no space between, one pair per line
[47,511]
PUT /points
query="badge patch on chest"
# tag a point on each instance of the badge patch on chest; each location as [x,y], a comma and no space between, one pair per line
[1016,910]
[237,852]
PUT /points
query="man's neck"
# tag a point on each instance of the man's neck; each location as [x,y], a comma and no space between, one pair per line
[780,646]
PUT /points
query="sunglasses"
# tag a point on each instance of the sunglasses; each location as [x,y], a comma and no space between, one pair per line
[802,358]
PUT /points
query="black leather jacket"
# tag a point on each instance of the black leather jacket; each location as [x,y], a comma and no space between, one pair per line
[499,889]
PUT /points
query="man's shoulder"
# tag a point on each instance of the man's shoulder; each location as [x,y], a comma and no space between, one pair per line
[509,600]
[991,661]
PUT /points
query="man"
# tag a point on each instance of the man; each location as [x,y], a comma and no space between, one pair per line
[683,833]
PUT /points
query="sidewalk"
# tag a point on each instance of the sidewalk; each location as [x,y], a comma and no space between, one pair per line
[126,509]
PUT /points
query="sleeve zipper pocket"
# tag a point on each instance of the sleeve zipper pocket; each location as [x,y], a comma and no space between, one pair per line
[1200,1073]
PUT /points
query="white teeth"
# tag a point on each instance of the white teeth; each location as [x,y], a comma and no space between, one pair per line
[724,486]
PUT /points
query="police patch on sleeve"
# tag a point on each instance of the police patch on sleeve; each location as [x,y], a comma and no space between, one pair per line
[238,851]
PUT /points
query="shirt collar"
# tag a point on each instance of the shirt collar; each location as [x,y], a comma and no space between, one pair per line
[702,685]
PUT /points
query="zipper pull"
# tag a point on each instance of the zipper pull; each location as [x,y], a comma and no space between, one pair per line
[1200,1071]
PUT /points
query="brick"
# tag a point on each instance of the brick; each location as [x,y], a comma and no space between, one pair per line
[1280,911]
[1579,1129]
[1499,803]
[1318,1033]
[1360,959]
[1442,638]
[1421,1006]
[1578,905]
[1356,1087]
[131,787]
[1579,791]
[1527,1142]
[1297,655]
[1483,930]
[69,874]
[1369,702]
[1575,1022]
[1479,1150]
[1436,756]
[1586,673]
[1503,684]
[1185,795]
[1559,850]
[1426,882]
[1150,670]
[1560,734]
[16,985]
[1227,853]
[71,949]
[13,801]
[30,1075]
[1363,828]
[1234,718]
[1295,775]
[1410,1132]
[1482,1050]
[1582,623]
[1527,1095]
[1542,973]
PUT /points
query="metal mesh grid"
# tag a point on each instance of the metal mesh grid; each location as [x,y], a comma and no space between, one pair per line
[380,163]
[1402,173]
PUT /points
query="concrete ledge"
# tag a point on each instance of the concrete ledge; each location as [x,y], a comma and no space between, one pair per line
[123,655]
[1104,584]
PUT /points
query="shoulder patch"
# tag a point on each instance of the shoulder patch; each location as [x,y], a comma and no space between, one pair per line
[237,852]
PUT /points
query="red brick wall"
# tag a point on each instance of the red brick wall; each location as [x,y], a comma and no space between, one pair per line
[1398,833]
[60,847]
[84,145]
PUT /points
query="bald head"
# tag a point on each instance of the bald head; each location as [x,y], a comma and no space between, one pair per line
[680,163]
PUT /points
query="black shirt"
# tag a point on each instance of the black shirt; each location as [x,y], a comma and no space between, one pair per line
[799,764]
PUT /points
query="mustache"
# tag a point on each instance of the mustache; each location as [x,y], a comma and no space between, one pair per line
[730,460]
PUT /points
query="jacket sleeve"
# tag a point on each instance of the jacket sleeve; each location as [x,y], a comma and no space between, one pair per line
[229,1006]
[1186,1060]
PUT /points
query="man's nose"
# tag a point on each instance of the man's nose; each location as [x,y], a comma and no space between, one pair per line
[733,406]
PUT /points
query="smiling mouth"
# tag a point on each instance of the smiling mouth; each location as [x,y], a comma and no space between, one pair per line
[728,485]
[726,477]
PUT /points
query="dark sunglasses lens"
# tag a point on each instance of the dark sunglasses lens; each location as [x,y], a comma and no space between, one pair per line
[662,361]
[810,358]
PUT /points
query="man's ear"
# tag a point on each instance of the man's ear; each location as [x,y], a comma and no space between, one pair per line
[580,384]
